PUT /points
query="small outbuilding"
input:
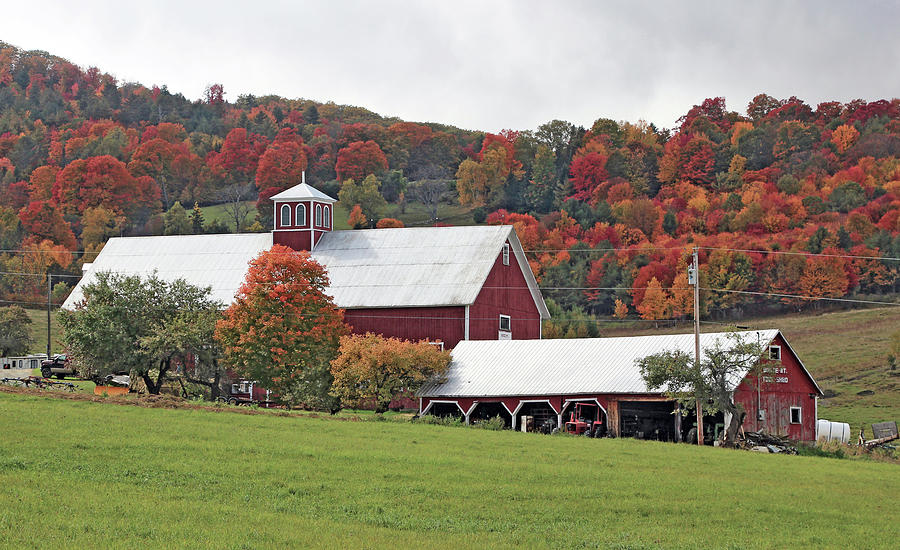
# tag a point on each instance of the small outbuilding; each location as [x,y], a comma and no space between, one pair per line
[539,384]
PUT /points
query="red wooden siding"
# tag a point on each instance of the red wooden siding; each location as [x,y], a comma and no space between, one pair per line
[412,323]
[298,240]
[788,386]
[504,292]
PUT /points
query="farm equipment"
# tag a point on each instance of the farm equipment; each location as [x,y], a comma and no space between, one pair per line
[38,382]
[248,392]
[586,420]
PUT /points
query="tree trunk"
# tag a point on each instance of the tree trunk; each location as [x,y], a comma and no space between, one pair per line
[731,431]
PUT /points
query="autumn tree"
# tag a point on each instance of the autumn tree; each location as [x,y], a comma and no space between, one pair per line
[655,304]
[729,358]
[15,333]
[621,309]
[176,222]
[360,159]
[103,181]
[283,329]
[371,368]
[146,326]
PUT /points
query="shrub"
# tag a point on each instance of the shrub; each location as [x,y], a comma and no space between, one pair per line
[493,423]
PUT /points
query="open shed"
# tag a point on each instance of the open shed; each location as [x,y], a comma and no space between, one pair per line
[539,382]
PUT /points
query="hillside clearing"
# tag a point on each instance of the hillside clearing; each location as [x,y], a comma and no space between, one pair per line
[99,474]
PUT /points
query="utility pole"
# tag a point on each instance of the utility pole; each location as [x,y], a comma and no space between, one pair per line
[694,278]
[49,293]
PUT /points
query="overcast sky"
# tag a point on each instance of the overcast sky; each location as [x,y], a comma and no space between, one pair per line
[484,65]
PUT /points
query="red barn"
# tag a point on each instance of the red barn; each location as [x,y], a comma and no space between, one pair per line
[539,383]
[436,283]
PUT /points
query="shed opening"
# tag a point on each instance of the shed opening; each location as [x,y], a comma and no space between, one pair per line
[647,420]
[486,411]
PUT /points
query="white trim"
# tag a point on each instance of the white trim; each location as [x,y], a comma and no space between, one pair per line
[296,210]
[281,216]
[326,216]
[505,253]
[774,347]
[523,401]
[799,415]
[508,322]
[466,335]
[433,401]
[300,229]
[576,400]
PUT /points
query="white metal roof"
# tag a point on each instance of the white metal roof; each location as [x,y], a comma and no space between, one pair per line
[423,266]
[302,191]
[218,261]
[407,267]
[493,368]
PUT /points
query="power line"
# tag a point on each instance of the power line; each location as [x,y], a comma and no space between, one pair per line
[801,297]
[785,252]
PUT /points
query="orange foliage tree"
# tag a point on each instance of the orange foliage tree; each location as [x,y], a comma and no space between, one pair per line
[283,329]
[370,368]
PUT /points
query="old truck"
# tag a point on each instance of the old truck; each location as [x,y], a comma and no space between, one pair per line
[58,366]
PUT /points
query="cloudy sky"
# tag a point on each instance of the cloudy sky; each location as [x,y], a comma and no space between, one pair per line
[485,64]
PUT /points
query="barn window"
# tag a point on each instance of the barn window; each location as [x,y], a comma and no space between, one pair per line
[327,215]
[505,323]
[775,353]
[285,215]
[795,415]
[319,215]
[505,253]
[300,218]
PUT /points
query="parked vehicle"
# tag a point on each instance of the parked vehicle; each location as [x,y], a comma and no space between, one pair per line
[249,392]
[586,420]
[58,365]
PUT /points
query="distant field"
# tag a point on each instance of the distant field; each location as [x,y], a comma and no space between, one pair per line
[217,213]
[39,331]
[79,474]
[846,352]
[416,215]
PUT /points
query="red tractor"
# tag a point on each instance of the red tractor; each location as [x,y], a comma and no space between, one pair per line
[587,420]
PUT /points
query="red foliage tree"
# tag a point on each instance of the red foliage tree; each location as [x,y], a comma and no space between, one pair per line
[283,329]
[103,181]
[359,159]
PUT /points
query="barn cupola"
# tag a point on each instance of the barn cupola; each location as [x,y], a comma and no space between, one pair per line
[302,215]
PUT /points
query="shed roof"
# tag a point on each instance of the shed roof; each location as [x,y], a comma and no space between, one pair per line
[495,368]
[377,268]
[302,191]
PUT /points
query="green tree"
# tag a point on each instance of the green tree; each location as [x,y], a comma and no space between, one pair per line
[15,332]
[371,368]
[197,219]
[283,329]
[144,326]
[176,221]
[367,194]
[730,358]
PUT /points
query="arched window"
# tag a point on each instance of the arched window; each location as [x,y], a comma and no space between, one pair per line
[285,215]
[300,218]
[327,216]
[319,215]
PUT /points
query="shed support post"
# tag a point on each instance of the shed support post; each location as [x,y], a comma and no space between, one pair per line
[559,422]
[467,420]
[514,422]
[677,422]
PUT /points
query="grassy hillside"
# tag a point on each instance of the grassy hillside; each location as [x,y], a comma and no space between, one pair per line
[120,476]
[846,352]
[39,331]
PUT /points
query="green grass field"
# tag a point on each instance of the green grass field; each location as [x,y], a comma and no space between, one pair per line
[81,474]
